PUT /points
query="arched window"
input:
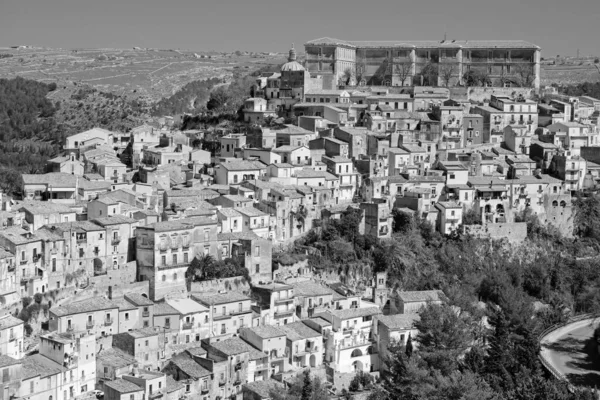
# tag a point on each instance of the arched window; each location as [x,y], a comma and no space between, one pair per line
[356,353]
[555,203]
[563,204]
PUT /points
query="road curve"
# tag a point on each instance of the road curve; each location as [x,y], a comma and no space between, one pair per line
[570,353]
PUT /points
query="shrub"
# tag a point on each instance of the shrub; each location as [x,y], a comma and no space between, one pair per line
[38,298]
[28,329]
[354,384]
[26,301]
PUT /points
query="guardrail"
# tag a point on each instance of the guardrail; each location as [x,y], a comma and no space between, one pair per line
[545,363]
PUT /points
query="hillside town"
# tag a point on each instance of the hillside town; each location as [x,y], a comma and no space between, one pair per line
[150,267]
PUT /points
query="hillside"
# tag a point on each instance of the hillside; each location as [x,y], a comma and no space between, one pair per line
[36,117]
[143,74]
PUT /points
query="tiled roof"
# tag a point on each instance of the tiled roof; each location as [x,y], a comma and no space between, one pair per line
[434,44]
[232,346]
[164,309]
[45,207]
[84,306]
[190,367]
[114,220]
[220,298]
[298,331]
[138,299]
[38,365]
[115,357]
[311,289]
[56,179]
[122,386]
[422,295]
[18,235]
[320,321]
[293,130]
[355,312]
[9,321]
[251,212]
[242,165]
[6,361]
[143,332]
[266,331]
[93,185]
[399,321]
[286,149]
[188,223]
[75,226]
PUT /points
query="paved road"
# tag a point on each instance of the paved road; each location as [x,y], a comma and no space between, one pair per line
[573,353]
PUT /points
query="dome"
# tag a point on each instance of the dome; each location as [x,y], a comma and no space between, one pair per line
[292,64]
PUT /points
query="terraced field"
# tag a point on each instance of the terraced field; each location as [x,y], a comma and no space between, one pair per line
[147,75]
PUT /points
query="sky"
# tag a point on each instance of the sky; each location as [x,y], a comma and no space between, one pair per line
[558,26]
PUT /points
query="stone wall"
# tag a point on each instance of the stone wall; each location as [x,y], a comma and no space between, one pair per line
[513,232]
[237,283]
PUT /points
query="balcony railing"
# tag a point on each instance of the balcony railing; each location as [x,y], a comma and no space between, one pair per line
[89,324]
[188,325]
[145,313]
[286,300]
[108,322]
[12,338]
[24,261]
[204,390]
[115,240]
[81,240]
[168,326]
[237,366]
[222,383]
[155,395]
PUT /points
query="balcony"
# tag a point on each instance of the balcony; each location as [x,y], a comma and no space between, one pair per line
[283,301]
[204,390]
[222,383]
[188,325]
[452,220]
[81,240]
[540,191]
[70,328]
[237,381]
[145,313]
[167,326]
[89,324]
[24,261]
[115,240]
[108,322]
[523,195]
[155,395]
[237,366]
[12,338]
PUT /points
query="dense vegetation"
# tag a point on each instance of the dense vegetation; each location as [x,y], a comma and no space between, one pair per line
[189,99]
[521,289]
[205,267]
[32,124]
[591,89]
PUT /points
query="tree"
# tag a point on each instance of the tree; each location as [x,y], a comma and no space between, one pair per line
[403,70]
[447,71]
[409,346]
[361,69]
[348,76]
[525,75]
[307,388]
[429,73]
[199,267]
[444,335]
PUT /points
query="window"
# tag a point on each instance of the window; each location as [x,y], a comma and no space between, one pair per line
[126,316]
[206,232]
[164,278]
[256,251]
[54,265]
[257,268]
[146,343]
[164,260]
[175,276]
[174,259]
[185,258]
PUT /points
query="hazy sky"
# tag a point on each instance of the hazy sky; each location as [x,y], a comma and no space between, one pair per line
[558,26]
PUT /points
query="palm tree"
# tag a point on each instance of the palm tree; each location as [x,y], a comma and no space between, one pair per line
[198,267]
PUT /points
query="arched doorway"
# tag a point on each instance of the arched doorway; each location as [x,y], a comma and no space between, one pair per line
[357,366]
[313,361]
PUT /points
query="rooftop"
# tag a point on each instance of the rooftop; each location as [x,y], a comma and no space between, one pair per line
[115,357]
[264,388]
[355,312]
[311,289]
[266,331]
[8,321]
[190,367]
[220,298]
[298,331]
[399,321]
[123,386]
[467,44]
[84,306]
[177,225]
[54,179]
[187,306]
[164,309]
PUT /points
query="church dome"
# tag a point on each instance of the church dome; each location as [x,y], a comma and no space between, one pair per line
[292,64]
